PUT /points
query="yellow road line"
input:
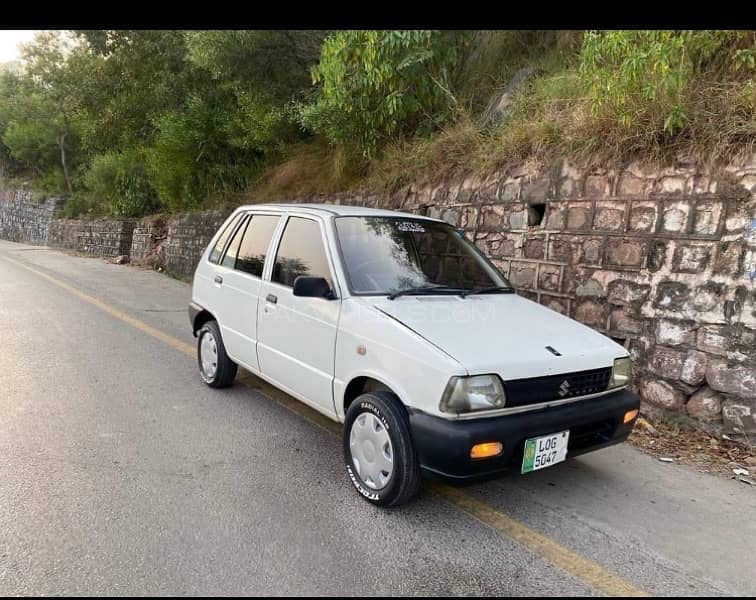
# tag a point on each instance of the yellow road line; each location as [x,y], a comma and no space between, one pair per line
[581,567]
[584,569]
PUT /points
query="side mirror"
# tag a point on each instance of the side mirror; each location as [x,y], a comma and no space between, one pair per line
[312,287]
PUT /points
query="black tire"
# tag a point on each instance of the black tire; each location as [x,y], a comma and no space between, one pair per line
[226,368]
[404,481]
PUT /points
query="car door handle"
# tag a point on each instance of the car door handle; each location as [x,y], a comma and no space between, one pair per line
[272,298]
[218,279]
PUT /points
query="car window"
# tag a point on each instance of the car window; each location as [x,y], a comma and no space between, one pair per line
[387,254]
[233,247]
[254,246]
[218,248]
[300,252]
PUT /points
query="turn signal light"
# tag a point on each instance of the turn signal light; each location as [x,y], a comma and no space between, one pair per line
[486,450]
[630,415]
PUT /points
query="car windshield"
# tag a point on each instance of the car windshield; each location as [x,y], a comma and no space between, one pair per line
[385,255]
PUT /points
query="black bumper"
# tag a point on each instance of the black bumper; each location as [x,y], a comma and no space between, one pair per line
[443,446]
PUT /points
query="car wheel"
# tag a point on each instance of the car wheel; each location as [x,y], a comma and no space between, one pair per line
[378,451]
[216,368]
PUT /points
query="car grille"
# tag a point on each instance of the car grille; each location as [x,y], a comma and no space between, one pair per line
[521,392]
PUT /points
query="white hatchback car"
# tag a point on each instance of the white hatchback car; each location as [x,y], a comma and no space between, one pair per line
[399,327]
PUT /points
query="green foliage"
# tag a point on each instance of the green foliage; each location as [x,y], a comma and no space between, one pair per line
[379,84]
[261,73]
[623,95]
[745,59]
[75,206]
[643,78]
[153,117]
[31,140]
[120,179]
[40,112]
[192,158]
[126,122]
[133,77]
[84,204]
[274,62]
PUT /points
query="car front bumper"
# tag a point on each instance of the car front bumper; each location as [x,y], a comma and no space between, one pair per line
[443,445]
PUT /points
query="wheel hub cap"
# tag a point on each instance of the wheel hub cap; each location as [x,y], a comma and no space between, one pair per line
[209,354]
[372,453]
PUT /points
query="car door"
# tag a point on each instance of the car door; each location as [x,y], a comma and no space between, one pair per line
[206,290]
[296,335]
[240,270]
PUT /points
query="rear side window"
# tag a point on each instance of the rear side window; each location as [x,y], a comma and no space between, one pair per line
[218,249]
[254,246]
[300,252]
[233,247]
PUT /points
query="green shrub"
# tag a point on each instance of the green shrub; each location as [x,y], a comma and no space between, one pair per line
[120,179]
[77,205]
[379,84]
[51,182]
[193,157]
[642,79]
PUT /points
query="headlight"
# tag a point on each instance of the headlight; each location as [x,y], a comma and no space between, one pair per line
[467,394]
[622,372]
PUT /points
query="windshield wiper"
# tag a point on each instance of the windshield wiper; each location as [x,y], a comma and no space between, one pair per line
[427,289]
[495,288]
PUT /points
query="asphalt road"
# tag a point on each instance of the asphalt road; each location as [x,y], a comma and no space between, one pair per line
[122,473]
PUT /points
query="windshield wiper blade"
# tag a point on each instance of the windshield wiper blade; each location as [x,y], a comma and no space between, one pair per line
[427,289]
[494,288]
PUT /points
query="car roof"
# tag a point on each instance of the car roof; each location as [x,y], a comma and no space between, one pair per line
[339,210]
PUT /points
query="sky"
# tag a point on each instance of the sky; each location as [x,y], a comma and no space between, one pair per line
[9,40]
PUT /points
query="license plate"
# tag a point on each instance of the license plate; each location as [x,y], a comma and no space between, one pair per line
[545,451]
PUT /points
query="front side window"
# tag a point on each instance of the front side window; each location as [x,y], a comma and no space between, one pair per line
[254,246]
[300,252]
[384,255]
[220,244]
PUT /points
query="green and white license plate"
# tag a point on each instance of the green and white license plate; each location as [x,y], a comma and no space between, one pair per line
[545,451]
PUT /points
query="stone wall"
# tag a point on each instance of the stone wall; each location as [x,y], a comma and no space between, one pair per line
[100,237]
[22,219]
[662,260]
[148,240]
[188,236]
[175,243]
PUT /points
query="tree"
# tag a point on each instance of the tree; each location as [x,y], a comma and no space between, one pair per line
[264,71]
[135,77]
[42,112]
[274,62]
[377,84]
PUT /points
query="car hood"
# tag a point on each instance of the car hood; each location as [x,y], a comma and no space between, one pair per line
[502,333]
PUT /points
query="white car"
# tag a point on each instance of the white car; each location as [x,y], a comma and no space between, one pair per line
[398,327]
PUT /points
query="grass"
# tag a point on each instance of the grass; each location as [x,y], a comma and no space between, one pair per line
[308,170]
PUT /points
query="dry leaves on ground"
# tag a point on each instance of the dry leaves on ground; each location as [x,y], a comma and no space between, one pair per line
[692,447]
